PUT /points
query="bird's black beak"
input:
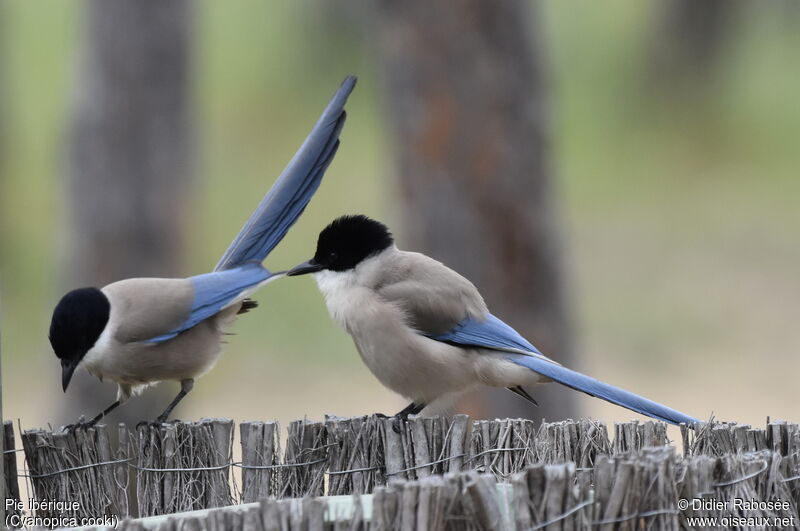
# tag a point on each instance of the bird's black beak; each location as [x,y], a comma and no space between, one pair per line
[305,268]
[67,368]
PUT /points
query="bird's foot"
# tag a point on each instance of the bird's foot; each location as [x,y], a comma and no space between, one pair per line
[72,428]
[82,424]
[149,424]
[399,417]
[157,422]
[397,420]
[395,424]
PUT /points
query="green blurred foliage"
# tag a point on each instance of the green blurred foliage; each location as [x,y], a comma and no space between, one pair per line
[680,212]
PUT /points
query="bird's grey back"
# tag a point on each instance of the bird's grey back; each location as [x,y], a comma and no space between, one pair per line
[434,297]
[145,308]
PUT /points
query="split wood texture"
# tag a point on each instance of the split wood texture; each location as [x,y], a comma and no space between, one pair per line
[183,466]
[10,467]
[636,490]
[441,470]
[60,467]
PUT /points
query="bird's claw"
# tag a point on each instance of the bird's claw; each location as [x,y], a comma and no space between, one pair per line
[157,423]
[80,425]
[398,419]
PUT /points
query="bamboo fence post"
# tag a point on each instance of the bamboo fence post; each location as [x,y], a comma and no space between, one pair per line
[313,514]
[635,435]
[578,441]
[502,447]
[260,448]
[274,514]
[183,466]
[548,495]
[71,466]
[122,476]
[625,485]
[221,459]
[354,444]
[7,482]
[385,507]
[459,436]
[481,500]
[10,468]
[393,450]
[636,490]
[421,432]
[117,491]
[304,459]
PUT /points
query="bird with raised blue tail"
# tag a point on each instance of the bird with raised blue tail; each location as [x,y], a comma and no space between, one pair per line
[140,331]
[424,330]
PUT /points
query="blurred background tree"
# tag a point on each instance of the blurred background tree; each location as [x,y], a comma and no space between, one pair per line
[679,227]
[465,89]
[128,163]
[688,44]
[4,121]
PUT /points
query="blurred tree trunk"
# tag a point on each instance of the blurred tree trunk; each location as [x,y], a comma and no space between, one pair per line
[466,95]
[4,125]
[688,44]
[3,119]
[128,161]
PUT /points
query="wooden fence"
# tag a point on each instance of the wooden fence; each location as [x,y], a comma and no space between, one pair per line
[426,473]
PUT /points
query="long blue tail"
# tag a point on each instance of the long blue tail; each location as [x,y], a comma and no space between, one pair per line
[492,333]
[290,194]
[599,389]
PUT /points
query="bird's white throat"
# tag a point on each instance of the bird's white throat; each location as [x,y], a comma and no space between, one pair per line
[346,293]
[340,290]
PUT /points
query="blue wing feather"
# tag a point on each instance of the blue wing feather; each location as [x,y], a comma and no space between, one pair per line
[292,191]
[214,291]
[493,333]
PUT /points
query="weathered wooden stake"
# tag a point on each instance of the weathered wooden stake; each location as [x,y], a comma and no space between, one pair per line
[183,466]
[304,461]
[77,465]
[354,444]
[260,448]
[11,482]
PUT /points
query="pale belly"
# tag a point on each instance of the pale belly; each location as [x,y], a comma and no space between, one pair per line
[187,356]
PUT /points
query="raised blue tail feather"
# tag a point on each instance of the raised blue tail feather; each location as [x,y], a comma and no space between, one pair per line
[292,191]
[239,271]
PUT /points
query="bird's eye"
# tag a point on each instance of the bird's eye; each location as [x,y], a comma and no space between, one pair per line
[332,256]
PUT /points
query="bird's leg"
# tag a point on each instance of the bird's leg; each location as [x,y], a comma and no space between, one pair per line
[106,411]
[186,386]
